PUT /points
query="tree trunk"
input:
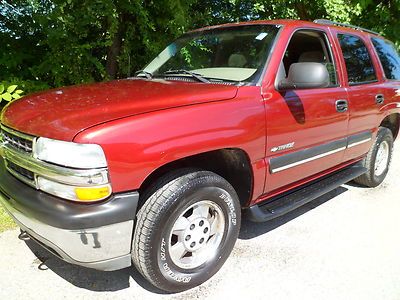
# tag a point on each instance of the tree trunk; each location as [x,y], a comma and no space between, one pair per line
[115,50]
[301,10]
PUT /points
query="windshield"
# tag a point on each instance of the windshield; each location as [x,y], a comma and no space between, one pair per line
[235,54]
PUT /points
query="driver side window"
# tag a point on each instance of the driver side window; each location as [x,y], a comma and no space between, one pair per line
[308,46]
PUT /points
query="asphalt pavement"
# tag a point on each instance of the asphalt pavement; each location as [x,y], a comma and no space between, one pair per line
[344,245]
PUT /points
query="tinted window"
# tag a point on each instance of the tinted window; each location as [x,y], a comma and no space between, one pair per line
[389,58]
[358,61]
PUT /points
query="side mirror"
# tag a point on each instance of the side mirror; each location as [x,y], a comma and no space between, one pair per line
[306,75]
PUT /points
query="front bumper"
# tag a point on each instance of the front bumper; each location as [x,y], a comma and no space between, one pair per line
[97,236]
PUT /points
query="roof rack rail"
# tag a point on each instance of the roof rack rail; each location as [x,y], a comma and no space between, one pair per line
[329,22]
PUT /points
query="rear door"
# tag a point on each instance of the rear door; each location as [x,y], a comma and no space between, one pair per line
[390,65]
[306,131]
[365,91]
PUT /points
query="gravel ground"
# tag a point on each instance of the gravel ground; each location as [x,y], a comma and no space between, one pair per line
[344,245]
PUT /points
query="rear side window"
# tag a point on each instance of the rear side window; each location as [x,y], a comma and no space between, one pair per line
[389,58]
[358,61]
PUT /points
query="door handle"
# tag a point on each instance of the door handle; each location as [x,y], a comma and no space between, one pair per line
[379,99]
[341,106]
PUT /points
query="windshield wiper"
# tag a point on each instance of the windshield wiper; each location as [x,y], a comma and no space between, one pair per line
[148,75]
[194,75]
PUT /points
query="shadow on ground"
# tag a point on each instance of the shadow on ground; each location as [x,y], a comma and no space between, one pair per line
[89,279]
[118,280]
[251,230]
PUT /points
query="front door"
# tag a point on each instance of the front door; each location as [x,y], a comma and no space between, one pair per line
[306,128]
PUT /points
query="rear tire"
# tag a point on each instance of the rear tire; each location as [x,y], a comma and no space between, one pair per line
[378,159]
[186,229]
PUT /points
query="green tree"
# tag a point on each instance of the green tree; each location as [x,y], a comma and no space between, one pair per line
[67,42]
[48,43]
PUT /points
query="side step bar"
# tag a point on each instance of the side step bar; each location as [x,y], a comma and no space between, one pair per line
[281,205]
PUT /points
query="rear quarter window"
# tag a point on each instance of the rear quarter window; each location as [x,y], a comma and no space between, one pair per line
[389,58]
[359,66]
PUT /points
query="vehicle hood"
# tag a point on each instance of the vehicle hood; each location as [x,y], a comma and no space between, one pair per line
[62,113]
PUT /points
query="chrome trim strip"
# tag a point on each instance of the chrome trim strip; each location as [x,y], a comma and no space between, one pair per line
[74,177]
[17,133]
[273,171]
[294,159]
[359,143]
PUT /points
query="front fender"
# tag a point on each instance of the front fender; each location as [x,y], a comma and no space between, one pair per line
[137,146]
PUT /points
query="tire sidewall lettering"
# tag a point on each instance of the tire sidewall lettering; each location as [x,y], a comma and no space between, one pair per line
[170,274]
[167,270]
[167,267]
[231,207]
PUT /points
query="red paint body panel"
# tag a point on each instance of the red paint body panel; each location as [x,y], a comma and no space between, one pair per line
[143,125]
[62,113]
[306,117]
[138,145]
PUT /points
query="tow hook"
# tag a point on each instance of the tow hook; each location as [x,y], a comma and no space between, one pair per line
[24,236]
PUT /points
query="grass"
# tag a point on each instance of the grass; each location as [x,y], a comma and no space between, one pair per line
[6,222]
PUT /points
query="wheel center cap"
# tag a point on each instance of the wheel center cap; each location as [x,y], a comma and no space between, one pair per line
[196,234]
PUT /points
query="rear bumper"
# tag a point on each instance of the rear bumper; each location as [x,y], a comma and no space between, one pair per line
[97,236]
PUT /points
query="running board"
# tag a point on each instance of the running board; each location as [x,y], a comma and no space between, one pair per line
[281,205]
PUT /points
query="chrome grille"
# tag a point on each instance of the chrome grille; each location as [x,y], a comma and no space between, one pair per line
[16,140]
[21,171]
[22,145]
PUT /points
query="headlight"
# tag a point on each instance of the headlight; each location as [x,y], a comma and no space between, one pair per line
[80,156]
[80,174]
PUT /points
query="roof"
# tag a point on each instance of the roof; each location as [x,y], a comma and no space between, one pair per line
[297,23]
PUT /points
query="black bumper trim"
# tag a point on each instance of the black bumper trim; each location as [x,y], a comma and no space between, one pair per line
[65,214]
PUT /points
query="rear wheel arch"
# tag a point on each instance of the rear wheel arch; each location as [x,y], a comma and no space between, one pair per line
[378,159]
[392,122]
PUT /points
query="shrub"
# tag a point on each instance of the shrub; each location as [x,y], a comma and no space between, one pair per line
[10,93]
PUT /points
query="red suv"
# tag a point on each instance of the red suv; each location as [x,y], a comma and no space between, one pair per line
[250,119]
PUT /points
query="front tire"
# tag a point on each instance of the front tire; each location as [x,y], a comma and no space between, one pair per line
[186,229]
[378,159]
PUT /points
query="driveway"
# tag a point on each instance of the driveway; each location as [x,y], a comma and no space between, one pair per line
[344,245]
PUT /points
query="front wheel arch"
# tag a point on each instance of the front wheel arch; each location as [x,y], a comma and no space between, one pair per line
[233,164]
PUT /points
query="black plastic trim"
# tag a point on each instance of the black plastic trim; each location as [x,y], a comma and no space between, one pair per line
[359,137]
[363,82]
[282,204]
[295,157]
[65,214]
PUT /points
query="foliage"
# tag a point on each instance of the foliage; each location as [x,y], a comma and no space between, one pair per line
[10,93]
[381,16]
[74,41]
[49,43]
